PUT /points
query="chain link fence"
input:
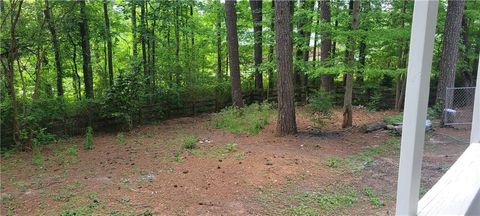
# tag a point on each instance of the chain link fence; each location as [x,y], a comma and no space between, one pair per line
[459,106]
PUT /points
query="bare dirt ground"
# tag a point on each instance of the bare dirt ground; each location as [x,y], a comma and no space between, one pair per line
[327,172]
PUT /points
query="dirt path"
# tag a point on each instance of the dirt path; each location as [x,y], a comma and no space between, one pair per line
[332,171]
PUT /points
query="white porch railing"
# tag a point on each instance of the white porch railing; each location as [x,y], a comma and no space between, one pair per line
[458,191]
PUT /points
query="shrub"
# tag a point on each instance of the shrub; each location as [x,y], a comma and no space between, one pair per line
[375,102]
[88,139]
[37,158]
[250,119]
[392,120]
[320,102]
[121,138]
[435,111]
[123,100]
[189,142]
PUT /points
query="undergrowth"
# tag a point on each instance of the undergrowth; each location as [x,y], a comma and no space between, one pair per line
[360,160]
[250,119]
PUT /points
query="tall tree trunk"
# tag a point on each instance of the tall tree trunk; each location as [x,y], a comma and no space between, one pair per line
[38,69]
[12,54]
[232,39]
[363,45]
[75,68]
[325,44]
[401,79]
[134,32]
[56,49]
[219,45]
[347,101]
[465,67]
[143,41]
[271,49]
[153,69]
[87,67]
[177,42]
[109,42]
[256,7]
[286,105]
[448,59]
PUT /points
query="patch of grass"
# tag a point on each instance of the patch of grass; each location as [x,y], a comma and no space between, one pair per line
[329,201]
[372,197]
[37,158]
[301,210]
[189,142]
[395,119]
[250,119]
[240,156]
[88,145]
[72,151]
[332,162]
[230,147]
[121,138]
[177,156]
[359,161]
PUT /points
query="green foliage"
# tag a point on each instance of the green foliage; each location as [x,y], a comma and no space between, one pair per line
[124,99]
[121,138]
[320,102]
[301,210]
[189,142]
[42,137]
[375,102]
[360,160]
[88,145]
[372,197]
[177,156]
[72,151]
[332,162]
[240,156]
[37,157]
[230,147]
[250,119]
[435,111]
[329,201]
[393,120]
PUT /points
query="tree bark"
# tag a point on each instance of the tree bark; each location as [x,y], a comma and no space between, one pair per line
[286,106]
[448,59]
[325,44]
[256,7]
[87,67]
[347,102]
[38,69]
[134,31]
[143,41]
[232,39]
[465,66]
[219,45]
[271,49]
[109,42]
[12,52]
[401,79]
[56,49]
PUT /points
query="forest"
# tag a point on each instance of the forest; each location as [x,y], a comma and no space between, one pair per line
[106,71]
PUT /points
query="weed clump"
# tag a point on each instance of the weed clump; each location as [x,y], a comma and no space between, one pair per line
[250,119]
[121,138]
[37,158]
[189,142]
[88,145]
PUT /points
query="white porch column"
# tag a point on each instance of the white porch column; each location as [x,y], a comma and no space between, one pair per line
[475,132]
[416,102]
